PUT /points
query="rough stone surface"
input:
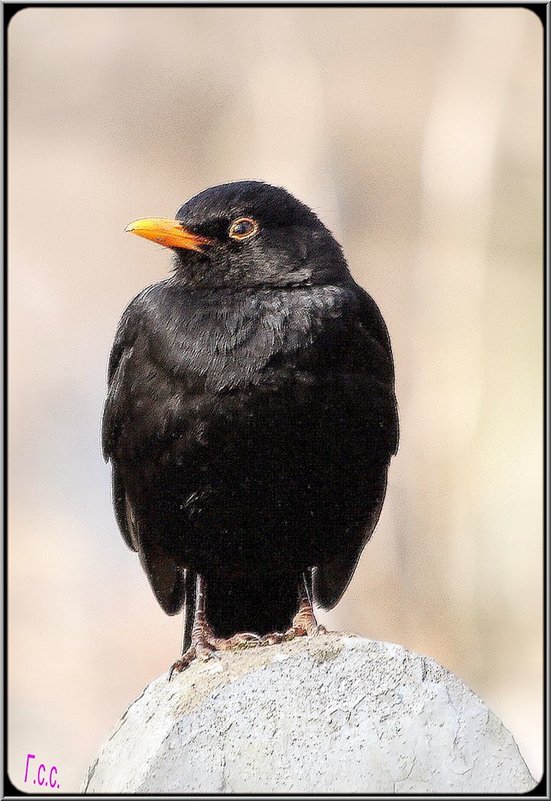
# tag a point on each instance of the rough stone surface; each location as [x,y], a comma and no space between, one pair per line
[329,714]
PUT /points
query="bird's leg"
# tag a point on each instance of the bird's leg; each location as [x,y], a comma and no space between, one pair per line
[204,643]
[201,633]
[304,622]
[202,637]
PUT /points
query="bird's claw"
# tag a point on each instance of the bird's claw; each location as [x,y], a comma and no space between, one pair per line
[205,652]
[294,632]
[183,663]
[316,630]
[273,639]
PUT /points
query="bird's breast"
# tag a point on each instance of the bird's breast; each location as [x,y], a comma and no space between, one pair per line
[221,343]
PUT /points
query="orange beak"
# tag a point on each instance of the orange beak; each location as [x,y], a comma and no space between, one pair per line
[169,233]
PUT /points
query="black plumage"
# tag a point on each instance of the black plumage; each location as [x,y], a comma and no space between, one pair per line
[251,414]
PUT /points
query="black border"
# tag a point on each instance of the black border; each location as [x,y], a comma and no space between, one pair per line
[541,11]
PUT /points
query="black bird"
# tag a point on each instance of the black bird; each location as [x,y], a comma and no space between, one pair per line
[250,418]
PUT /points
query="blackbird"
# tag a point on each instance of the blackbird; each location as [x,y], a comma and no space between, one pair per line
[250,419]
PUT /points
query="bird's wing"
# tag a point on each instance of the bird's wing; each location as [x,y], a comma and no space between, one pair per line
[373,338]
[372,346]
[166,579]
[331,579]
[125,337]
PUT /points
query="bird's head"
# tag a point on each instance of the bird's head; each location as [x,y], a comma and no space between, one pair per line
[247,234]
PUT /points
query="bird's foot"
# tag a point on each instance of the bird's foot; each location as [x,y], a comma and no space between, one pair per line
[209,646]
[305,621]
[203,647]
[300,630]
[316,630]
[238,642]
[245,639]
[203,652]
[184,662]
[274,638]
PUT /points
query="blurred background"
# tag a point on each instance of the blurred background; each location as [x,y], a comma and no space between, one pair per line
[416,135]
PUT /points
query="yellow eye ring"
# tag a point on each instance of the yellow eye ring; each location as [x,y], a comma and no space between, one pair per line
[243,228]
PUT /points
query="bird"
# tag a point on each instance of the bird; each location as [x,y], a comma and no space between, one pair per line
[250,419]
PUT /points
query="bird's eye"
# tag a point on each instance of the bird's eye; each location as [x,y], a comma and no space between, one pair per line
[243,228]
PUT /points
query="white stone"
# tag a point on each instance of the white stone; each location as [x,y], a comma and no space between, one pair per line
[332,714]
